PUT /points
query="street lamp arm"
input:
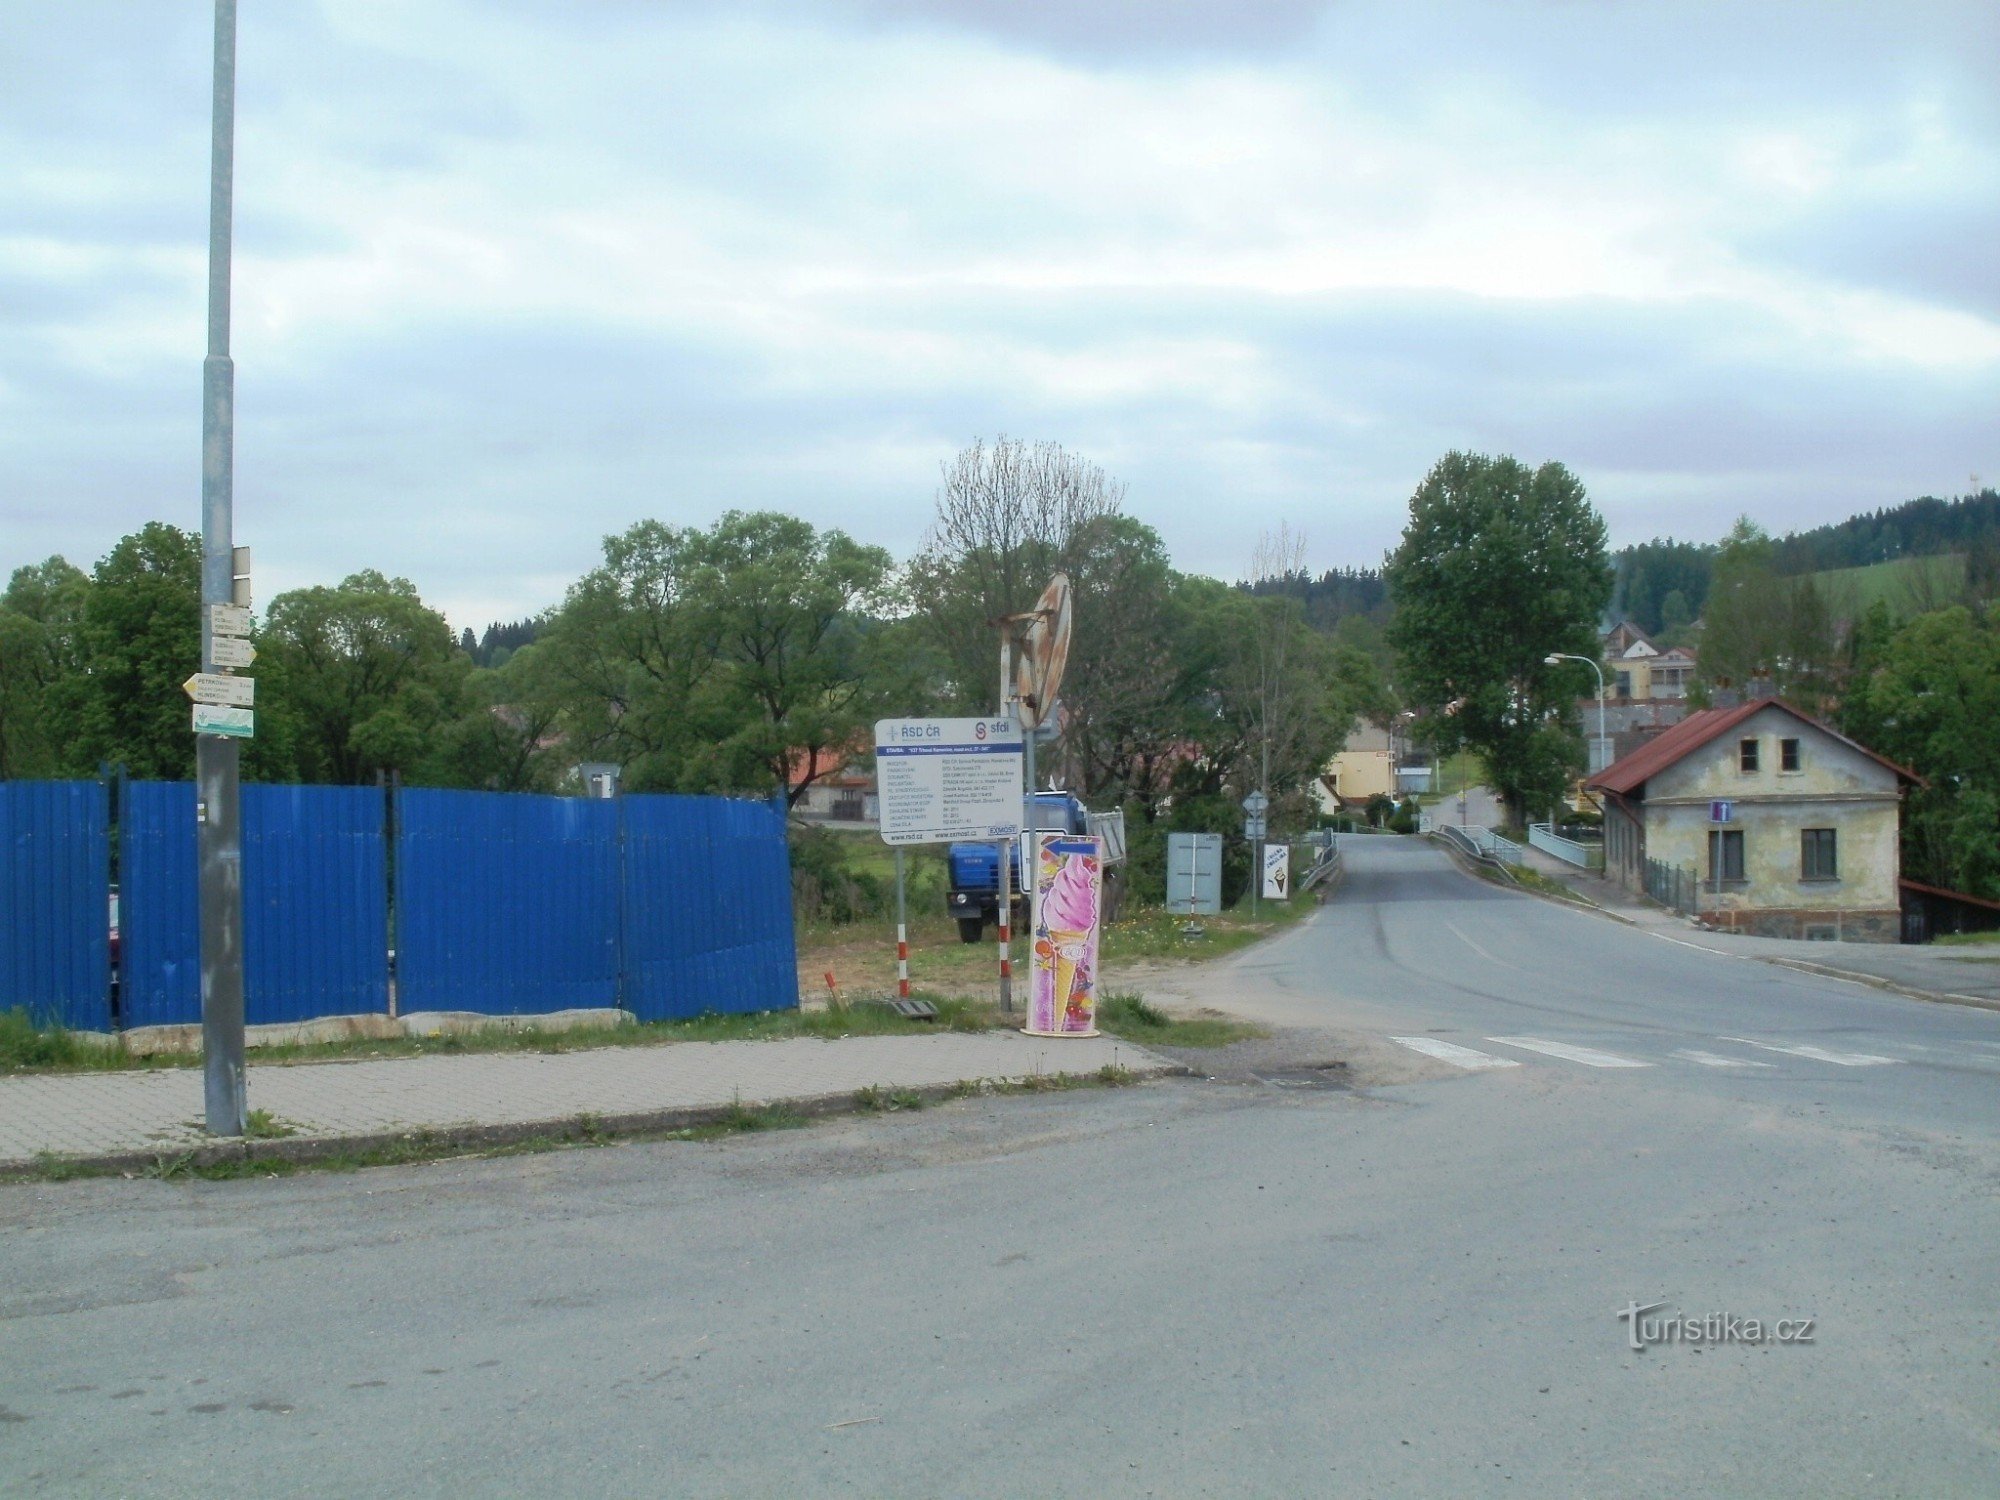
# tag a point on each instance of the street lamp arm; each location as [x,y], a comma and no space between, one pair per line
[1555,656]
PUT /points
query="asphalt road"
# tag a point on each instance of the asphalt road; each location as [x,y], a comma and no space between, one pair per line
[1252,1285]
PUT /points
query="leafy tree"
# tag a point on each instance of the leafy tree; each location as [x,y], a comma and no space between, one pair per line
[1499,566]
[631,654]
[140,638]
[362,677]
[1763,627]
[510,740]
[41,645]
[745,656]
[1928,696]
[1129,677]
[804,674]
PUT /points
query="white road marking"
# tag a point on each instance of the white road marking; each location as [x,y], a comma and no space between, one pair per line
[1590,1057]
[1711,1060]
[1817,1054]
[1458,1057]
[1475,947]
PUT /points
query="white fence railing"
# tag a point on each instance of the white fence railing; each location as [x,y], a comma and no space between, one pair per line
[1584,856]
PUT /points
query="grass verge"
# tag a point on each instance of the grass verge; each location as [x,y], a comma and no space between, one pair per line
[1130,1017]
[1968,939]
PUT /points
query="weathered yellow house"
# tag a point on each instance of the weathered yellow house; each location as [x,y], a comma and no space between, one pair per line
[1783,825]
[1364,768]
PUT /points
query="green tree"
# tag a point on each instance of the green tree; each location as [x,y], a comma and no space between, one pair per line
[1499,566]
[41,646]
[804,669]
[631,653]
[749,656]
[1928,697]
[1760,627]
[140,639]
[362,677]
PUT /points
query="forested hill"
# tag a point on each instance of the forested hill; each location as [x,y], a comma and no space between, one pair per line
[1333,595]
[1916,528]
[1662,584]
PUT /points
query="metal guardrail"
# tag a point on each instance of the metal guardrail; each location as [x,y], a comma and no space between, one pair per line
[1571,851]
[1325,868]
[1481,844]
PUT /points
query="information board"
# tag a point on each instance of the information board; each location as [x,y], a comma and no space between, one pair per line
[939,780]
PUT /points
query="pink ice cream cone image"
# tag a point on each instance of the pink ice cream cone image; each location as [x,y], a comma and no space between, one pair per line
[1069,920]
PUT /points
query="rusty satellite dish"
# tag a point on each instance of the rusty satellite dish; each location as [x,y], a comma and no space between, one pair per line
[1044,652]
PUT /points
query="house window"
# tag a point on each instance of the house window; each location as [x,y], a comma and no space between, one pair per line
[1727,843]
[1746,755]
[1788,755]
[1624,684]
[1819,857]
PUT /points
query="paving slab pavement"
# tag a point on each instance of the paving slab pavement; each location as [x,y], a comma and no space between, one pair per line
[112,1114]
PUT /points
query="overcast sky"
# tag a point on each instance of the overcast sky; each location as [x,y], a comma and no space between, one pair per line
[515,273]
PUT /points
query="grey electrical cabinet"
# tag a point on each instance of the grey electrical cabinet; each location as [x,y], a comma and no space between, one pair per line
[1194,874]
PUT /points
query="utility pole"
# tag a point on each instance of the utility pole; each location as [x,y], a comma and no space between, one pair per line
[218,806]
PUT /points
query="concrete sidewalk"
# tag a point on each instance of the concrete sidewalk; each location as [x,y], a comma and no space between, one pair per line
[139,1114]
[1962,975]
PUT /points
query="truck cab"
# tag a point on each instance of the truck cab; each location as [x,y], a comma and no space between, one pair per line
[974,896]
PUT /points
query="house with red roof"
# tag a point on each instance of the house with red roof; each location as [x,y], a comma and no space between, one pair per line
[1782,825]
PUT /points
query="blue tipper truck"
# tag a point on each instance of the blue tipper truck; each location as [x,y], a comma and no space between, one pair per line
[974,896]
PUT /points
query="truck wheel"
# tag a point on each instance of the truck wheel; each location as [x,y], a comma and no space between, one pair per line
[969,929]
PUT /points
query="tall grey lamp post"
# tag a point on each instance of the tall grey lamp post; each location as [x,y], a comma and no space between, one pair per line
[219,828]
[1555,656]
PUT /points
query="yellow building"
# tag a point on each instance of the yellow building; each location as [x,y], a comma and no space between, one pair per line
[1364,768]
[1787,827]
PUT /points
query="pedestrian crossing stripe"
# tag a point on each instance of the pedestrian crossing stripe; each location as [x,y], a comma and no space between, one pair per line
[1590,1057]
[1817,1054]
[1458,1057]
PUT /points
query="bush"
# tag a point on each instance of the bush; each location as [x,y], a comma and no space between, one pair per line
[825,885]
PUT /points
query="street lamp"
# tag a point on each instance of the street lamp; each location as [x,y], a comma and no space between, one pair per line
[1558,656]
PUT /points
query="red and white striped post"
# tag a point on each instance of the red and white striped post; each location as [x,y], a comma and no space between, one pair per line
[902,934]
[1006,928]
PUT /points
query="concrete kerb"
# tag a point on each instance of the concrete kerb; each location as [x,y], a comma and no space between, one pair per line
[585,1127]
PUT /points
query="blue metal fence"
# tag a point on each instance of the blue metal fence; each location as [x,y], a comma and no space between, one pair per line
[315,902]
[505,904]
[315,924]
[160,940]
[708,907]
[55,889]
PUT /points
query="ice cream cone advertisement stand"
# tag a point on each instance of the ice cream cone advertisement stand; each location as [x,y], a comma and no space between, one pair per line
[1069,886]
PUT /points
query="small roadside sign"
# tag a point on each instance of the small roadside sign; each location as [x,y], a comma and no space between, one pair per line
[1254,828]
[231,651]
[1256,804]
[212,718]
[1277,871]
[228,619]
[221,689]
[1721,812]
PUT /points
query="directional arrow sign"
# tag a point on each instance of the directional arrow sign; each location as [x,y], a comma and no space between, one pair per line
[231,651]
[216,688]
[228,619]
[209,718]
